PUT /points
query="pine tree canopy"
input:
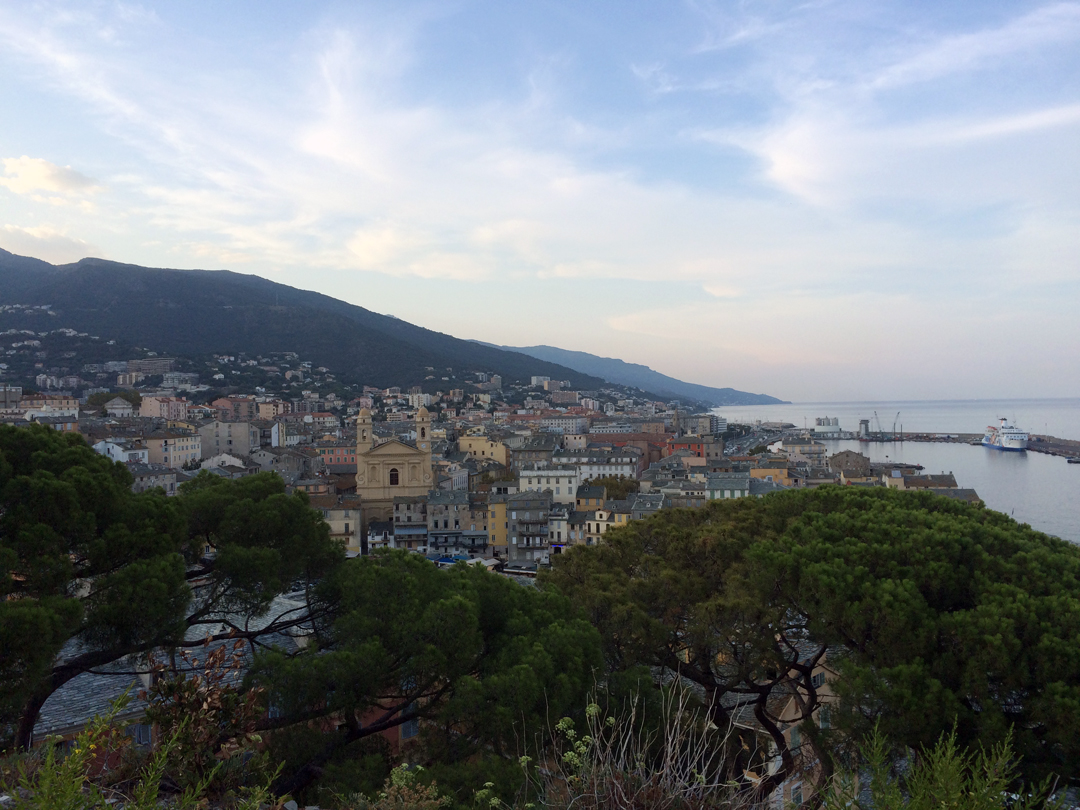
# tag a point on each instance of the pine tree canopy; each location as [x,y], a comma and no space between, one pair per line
[931,612]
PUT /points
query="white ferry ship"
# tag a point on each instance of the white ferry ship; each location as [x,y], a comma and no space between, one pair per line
[1005,437]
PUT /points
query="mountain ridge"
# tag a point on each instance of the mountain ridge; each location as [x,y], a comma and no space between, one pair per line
[197,312]
[640,376]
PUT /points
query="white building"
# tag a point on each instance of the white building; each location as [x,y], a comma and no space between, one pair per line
[123,451]
[561,481]
[565,424]
[623,463]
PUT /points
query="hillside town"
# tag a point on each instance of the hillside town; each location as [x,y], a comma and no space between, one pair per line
[507,475]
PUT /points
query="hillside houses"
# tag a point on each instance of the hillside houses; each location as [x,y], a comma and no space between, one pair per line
[485,469]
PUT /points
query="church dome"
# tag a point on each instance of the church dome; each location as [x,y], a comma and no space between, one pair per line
[422,413]
[364,414]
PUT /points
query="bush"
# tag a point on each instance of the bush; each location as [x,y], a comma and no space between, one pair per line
[210,719]
[50,779]
[944,777]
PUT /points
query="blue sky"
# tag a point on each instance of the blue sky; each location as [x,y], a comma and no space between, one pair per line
[821,200]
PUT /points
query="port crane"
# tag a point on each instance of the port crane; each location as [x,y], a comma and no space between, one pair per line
[894,421]
[880,430]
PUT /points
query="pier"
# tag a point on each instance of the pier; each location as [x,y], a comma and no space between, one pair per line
[1037,443]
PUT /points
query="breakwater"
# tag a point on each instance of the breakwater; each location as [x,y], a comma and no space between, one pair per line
[1034,488]
[1037,443]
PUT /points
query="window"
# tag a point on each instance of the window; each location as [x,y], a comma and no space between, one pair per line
[825,717]
[796,795]
[394,477]
[140,733]
[817,679]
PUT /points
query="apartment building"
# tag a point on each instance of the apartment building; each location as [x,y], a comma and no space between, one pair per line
[528,529]
[561,481]
[173,448]
[232,437]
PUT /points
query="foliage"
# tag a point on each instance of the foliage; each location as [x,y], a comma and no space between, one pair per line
[620,764]
[618,489]
[930,610]
[78,780]
[402,791]
[210,719]
[474,655]
[97,401]
[943,777]
[86,563]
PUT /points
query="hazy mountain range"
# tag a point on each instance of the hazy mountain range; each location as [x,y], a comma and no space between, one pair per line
[639,376]
[198,312]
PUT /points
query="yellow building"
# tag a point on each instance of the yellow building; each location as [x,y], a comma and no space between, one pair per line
[173,448]
[391,468]
[590,497]
[270,410]
[776,471]
[599,521]
[481,447]
[497,526]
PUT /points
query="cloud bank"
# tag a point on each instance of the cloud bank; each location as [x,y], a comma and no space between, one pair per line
[819,201]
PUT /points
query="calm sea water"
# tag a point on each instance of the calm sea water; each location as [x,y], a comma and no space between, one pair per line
[1040,490]
[1055,417]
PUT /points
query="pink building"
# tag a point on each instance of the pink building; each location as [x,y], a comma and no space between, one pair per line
[164,407]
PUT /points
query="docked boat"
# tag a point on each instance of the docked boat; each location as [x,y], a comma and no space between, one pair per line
[1005,437]
[1074,460]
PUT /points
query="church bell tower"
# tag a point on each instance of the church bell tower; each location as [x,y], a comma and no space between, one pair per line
[423,441]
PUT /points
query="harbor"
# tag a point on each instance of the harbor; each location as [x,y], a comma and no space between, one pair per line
[1038,487]
[1034,488]
[1037,443]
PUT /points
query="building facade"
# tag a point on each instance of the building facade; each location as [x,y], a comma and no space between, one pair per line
[392,468]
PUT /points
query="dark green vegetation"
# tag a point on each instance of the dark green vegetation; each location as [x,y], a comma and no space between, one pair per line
[636,375]
[931,611]
[933,614]
[618,489]
[197,312]
[484,661]
[96,402]
[102,573]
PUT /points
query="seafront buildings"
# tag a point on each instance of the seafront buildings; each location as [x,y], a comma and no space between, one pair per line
[510,474]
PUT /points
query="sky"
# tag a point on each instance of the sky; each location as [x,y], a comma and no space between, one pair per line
[819,201]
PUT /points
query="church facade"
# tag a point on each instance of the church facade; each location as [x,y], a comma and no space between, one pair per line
[390,469]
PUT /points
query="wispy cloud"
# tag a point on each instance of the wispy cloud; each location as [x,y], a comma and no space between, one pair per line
[1053,24]
[752,158]
[24,174]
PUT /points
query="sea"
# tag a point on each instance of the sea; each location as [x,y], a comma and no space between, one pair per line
[1040,490]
